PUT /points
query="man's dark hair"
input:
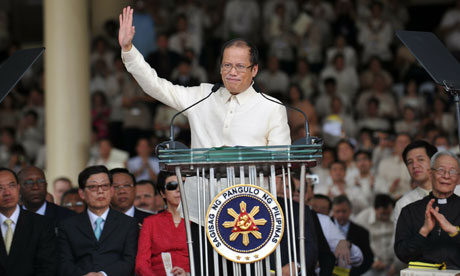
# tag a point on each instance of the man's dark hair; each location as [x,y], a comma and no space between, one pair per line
[147,182]
[320,196]
[344,165]
[241,42]
[331,149]
[125,171]
[31,113]
[345,141]
[341,199]
[88,172]
[365,152]
[161,180]
[9,130]
[373,100]
[71,191]
[383,200]
[12,172]
[330,80]
[429,148]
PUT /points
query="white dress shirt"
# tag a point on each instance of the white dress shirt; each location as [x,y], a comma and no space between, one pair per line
[130,212]
[246,119]
[14,217]
[412,196]
[93,217]
[381,236]
[40,211]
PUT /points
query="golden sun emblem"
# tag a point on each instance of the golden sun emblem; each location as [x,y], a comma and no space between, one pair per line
[244,223]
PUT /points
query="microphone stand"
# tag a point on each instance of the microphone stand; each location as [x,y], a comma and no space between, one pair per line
[453,88]
[171,144]
[307,140]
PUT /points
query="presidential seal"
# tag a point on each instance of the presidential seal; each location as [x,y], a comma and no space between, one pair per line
[244,223]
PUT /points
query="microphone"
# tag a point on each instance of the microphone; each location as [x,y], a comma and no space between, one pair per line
[307,140]
[171,144]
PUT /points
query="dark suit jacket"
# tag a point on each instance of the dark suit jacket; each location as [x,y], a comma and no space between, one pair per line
[140,215]
[311,245]
[33,249]
[79,252]
[360,237]
[56,213]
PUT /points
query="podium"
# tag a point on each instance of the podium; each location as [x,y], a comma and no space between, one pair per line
[218,173]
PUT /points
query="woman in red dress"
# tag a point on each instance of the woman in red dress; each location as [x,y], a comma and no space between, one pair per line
[162,239]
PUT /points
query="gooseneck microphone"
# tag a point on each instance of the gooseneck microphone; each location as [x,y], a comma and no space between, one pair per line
[307,140]
[171,144]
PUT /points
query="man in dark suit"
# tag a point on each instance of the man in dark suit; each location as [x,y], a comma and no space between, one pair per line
[99,241]
[28,244]
[125,193]
[33,193]
[341,211]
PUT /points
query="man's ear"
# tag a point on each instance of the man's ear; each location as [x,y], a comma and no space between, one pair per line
[82,194]
[254,70]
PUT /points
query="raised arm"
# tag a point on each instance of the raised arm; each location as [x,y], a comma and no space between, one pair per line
[127,30]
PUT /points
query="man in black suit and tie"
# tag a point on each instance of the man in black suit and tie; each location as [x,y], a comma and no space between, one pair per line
[341,211]
[27,247]
[99,241]
[125,193]
[33,192]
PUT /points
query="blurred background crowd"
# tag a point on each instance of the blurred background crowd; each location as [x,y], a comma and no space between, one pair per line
[338,61]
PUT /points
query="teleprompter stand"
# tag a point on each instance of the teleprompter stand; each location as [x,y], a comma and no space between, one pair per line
[440,64]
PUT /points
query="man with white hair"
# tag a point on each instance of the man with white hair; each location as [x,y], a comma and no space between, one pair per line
[432,235]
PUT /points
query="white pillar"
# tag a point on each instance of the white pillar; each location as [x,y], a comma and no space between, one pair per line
[67,73]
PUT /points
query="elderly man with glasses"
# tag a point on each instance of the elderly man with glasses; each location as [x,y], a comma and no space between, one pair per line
[428,229]
[33,193]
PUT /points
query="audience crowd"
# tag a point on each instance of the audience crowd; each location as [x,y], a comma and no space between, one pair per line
[338,61]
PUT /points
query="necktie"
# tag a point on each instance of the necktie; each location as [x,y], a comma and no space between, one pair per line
[98,229]
[8,235]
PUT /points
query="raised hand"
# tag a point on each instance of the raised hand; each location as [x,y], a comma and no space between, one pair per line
[430,221]
[443,222]
[127,30]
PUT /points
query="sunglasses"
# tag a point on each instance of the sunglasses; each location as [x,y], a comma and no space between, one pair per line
[171,186]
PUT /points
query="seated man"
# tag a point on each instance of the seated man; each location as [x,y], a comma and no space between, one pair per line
[378,221]
[124,194]
[341,212]
[148,198]
[100,241]
[72,200]
[27,246]
[33,194]
[427,230]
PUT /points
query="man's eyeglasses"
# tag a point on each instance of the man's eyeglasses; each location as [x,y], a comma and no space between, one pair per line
[441,172]
[29,183]
[73,204]
[10,186]
[171,186]
[240,68]
[95,188]
[124,187]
